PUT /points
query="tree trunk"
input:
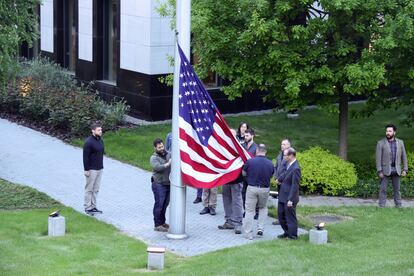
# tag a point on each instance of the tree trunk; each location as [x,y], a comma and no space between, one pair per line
[343,125]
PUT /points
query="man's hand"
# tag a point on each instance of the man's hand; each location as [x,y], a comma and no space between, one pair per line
[167,164]
[87,173]
[403,173]
[289,203]
[381,175]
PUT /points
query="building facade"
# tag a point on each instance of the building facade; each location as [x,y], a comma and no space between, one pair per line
[123,46]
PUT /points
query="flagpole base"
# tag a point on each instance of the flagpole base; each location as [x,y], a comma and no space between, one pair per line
[177,236]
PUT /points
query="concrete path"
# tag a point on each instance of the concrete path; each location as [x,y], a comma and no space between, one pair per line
[47,164]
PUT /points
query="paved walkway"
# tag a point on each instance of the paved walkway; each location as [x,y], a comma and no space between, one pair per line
[31,158]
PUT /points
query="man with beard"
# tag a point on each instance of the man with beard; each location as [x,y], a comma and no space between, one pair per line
[93,151]
[251,147]
[390,155]
[161,167]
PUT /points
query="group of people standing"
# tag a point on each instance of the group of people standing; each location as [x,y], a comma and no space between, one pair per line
[244,199]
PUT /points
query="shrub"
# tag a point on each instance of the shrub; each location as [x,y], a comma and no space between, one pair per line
[325,173]
[45,92]
[410,175]
[369,188]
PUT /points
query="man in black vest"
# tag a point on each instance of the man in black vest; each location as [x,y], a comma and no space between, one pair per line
[289,195]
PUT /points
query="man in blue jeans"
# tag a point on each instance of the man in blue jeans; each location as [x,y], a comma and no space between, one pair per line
[161,167]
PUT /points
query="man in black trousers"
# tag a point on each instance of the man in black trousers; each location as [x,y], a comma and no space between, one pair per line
[289,195]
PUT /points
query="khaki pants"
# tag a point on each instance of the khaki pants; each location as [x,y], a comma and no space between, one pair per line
[210,198]
[93,182]
[255,196]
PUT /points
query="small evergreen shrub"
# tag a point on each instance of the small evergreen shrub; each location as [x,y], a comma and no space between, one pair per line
[326,173]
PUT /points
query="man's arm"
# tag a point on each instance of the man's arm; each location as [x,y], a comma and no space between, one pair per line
[86,156]
[294,188]
[157,166]
[378,157]
[404,157]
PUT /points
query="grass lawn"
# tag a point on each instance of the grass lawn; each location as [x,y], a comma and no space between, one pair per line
[375,241]
[313,127]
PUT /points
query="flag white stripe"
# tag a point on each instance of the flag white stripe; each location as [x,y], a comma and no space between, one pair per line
[189,131]
[209,177]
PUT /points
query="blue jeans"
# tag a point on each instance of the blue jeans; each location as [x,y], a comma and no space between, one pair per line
[162,199]
[199,192]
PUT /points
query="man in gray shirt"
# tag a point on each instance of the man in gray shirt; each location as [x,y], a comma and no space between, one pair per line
[161,167]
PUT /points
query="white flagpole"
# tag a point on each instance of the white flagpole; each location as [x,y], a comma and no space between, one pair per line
[178,190]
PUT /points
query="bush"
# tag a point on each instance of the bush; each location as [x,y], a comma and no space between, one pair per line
[45,92]
[325,173]
[410,175]
[369,188]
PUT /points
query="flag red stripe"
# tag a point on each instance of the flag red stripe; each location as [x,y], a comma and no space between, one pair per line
[199,149]
[185,157]
[222,123]
[226,178]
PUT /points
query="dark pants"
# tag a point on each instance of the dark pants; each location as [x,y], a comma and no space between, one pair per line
[287,219]
[395,178]
[199,192]
[162,199]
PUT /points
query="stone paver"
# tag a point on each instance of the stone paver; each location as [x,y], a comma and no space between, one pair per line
[51,166]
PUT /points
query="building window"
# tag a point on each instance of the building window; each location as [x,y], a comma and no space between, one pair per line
[70,20]
[110,35]
[212,80]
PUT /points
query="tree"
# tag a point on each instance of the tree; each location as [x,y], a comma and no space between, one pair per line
[18,24]
[301,51]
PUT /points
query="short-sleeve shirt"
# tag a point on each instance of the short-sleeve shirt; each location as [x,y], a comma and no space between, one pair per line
[259,170]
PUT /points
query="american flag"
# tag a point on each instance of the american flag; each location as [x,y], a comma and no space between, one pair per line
[210,154]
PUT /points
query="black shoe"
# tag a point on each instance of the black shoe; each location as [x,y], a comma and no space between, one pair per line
[206,210]
[256,216]
[283,236]
[94,210]
[238,230]
[212,211]
[292,237]
[197,200]
[260,232]
[89,212]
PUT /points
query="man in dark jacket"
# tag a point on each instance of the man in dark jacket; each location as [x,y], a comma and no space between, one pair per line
[93,151]
[161,168]
[280,166]
[289,195]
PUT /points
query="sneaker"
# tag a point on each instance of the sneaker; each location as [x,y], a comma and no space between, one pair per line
[94,210]
[212,211]
[260,233]
[160,228]
[226,226]
[89,212]
[238,230]
[276,222]
[165,225]
[206,210]
[197,200]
